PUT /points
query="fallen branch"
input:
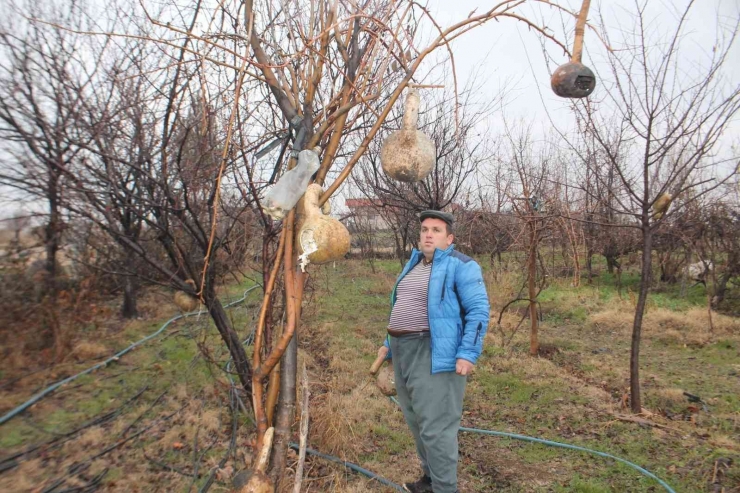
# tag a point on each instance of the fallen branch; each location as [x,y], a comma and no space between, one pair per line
[170,468]
[642,421]
[304,434]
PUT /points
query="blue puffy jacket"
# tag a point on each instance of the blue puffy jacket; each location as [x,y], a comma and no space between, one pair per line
[457,306]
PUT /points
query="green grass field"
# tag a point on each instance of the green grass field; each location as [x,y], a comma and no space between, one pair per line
[573,394]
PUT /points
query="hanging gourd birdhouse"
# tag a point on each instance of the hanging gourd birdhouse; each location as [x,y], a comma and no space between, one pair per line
[320,238]
[661,205]
[408,155]
[574,79]
[283,196]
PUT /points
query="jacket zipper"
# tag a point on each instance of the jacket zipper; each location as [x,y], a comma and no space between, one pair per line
[431,336]
[477,333]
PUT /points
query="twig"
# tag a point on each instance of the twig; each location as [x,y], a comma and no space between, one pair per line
[304,434]
[170,468]
[641,421]
[126,430]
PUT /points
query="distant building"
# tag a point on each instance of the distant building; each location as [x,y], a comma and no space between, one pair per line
[366,214]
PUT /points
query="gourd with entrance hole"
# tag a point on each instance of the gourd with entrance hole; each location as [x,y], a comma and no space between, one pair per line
[320,238]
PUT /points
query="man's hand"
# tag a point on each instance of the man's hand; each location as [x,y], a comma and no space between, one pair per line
[382,353]
[463,367]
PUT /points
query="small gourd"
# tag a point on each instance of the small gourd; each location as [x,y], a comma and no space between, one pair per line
[407,154]
[187,302]
[387,380]
[283,196]
[573,79]
[320,238]
[661,205]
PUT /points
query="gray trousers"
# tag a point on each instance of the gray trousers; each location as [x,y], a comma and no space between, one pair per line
[432,406]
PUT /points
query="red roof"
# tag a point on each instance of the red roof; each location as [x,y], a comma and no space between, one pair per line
[359,203]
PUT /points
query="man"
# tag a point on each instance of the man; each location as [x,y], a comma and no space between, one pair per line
[435,335]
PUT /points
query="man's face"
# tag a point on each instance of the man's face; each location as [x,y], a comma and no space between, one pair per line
[433,235]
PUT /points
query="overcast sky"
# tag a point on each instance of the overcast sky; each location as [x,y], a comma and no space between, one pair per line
[507,54]
[507,51]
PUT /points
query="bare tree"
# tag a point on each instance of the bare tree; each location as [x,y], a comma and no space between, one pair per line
[43,74]
[659,127]
[531,165]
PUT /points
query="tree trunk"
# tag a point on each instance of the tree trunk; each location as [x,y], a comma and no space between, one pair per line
[286,406]
[534,345]
[647,245]
[732,268]
[130,292]
[589,263]
[231,338]
[51,233]
[611,263]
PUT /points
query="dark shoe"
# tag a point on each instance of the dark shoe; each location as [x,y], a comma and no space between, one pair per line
[421,485]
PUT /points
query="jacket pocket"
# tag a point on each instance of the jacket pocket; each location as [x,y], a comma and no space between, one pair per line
[459,333]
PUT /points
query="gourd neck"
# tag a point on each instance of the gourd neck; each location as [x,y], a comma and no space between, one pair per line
[411,110]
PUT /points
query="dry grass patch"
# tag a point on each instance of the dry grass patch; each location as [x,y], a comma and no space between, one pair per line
[340,421]
[92,437]
[691,327]
[87,350]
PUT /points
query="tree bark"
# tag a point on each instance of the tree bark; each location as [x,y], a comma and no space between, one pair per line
[130,292]
[51,233]
[231,338]
[647,245]
[287,397]
[534,345]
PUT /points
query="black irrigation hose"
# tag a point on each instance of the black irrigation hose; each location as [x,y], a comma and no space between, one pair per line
[48,390]
[353,467]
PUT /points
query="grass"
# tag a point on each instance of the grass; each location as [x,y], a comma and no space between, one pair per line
[573,395]
[172,374]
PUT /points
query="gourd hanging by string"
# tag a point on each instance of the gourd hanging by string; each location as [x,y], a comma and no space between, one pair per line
[407,154]
[320,238]
[283,196]
[575,80]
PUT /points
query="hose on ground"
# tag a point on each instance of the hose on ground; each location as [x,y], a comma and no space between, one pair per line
[51,388]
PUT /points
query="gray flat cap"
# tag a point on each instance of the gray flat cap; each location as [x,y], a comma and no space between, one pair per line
[445,216]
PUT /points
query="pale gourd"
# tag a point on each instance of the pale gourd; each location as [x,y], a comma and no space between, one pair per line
[408,155]
[320,238]
[186,302]
[661,205]
[386,380]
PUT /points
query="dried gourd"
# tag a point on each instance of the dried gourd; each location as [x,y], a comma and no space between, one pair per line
[661,205]
[187,302]
[407,154]
[386,380]
[574,79]
[320,238]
